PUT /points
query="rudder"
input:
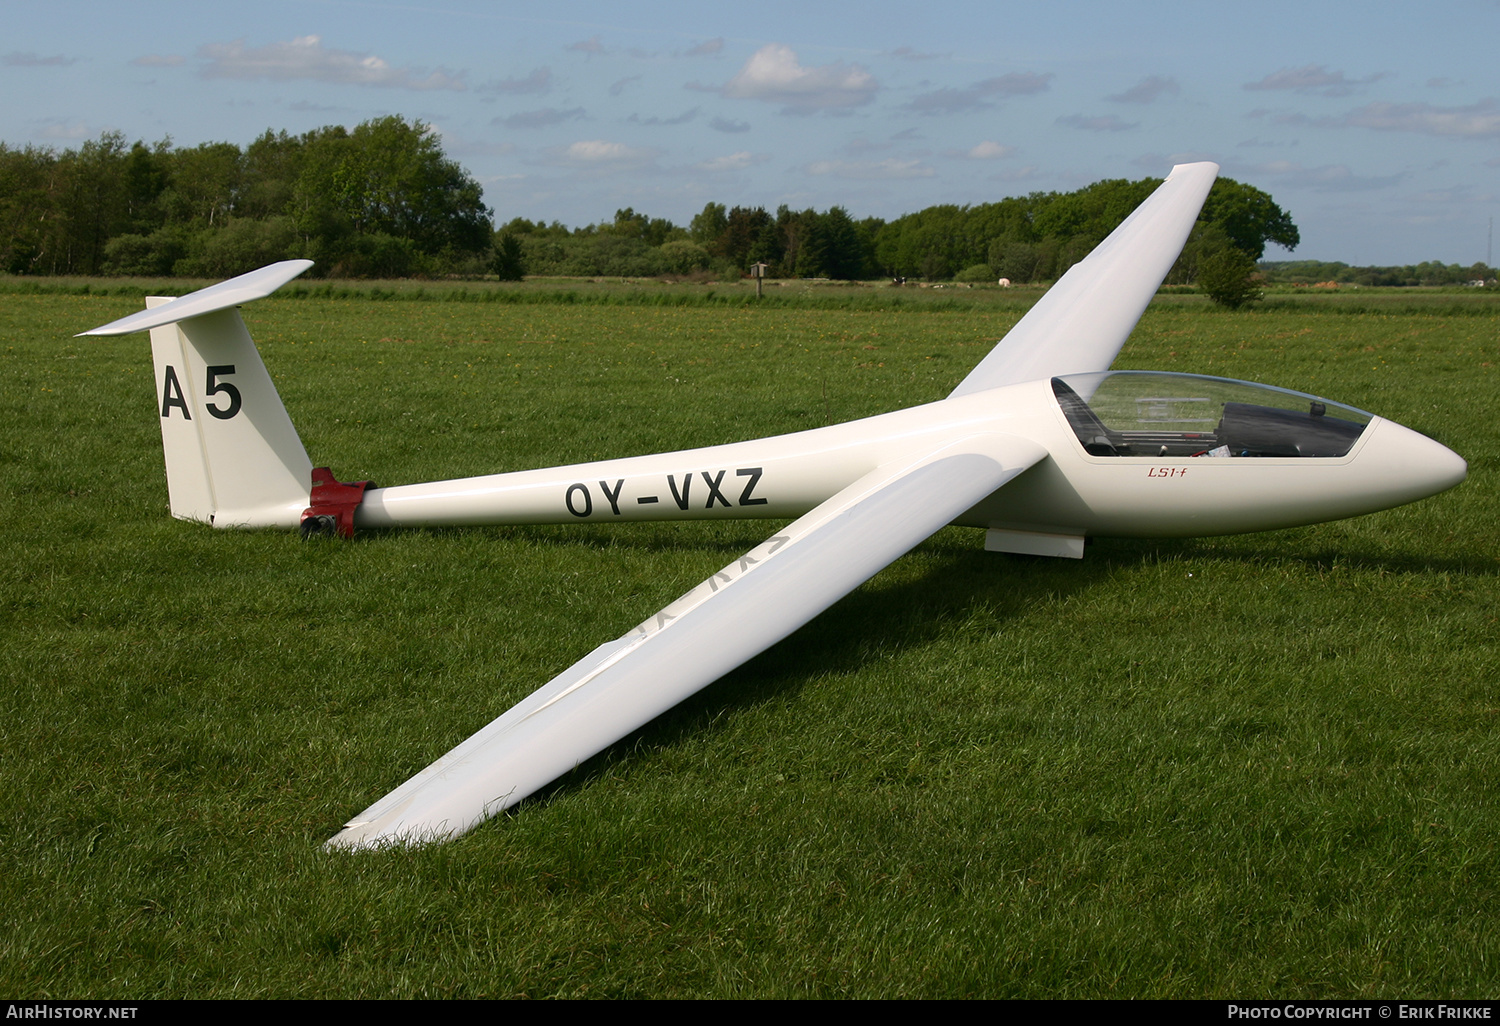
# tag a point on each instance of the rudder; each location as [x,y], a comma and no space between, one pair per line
[233,456]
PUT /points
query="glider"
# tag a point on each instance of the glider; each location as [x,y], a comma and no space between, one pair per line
[1041,445]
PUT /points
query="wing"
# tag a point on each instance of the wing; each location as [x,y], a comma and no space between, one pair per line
[255,285]
[737,613]
[1083,320]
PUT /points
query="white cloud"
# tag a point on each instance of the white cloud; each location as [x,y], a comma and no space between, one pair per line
[774,75]
[546,117]
[731,127]
[1325,178]
[159,60]
[989,150]
[1456,195]
[1476,121]
[707,48]
[602,155]
[1148,90]
[980,95]
[57,129]
[1314,78]
[589,45]
[733,162]
[28,59]
[1029,173]
[906,53]
[539,81]
[307,58]
[681,119]
[865,170]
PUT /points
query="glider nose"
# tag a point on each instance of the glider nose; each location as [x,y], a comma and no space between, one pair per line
[1409,465]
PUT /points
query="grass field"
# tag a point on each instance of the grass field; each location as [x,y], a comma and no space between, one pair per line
[1250,766]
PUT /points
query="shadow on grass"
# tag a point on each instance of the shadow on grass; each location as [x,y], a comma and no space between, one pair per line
[731,537]
[918,601]
[903,614]
[958,582]
[735,537]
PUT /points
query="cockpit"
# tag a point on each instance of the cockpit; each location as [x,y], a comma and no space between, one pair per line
[1162,415]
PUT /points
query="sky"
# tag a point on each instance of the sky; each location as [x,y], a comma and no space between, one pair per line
[1375,125]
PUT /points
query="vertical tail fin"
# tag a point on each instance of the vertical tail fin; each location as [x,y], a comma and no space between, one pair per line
[233,456]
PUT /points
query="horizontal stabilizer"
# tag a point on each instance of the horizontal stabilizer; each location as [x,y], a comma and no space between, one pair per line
[255,285]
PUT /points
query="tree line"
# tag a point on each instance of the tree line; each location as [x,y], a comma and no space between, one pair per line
[383,200]
[1024,238]
[1429,272]
[379,200]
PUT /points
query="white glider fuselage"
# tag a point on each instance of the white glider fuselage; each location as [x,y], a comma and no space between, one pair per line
[1072,493]
[1040,444]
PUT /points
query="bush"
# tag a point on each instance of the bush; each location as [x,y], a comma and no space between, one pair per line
[1225,277]
[508,263]
[372,255]
[681,256]
[151,255]
[1014,260]
[616,256]
[977,274]
[245,244]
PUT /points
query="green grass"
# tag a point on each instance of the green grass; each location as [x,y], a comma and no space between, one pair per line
[1259,765]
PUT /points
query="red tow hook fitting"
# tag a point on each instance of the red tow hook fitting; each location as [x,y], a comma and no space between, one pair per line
[332,505]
